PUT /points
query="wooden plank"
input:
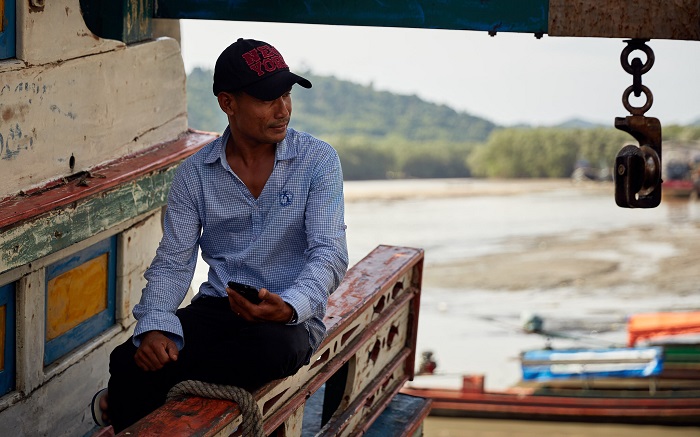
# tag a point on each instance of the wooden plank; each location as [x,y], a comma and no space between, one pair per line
[649,19]
[52,218]
[366,406]
[346,351]
[494,16]
[384,265]
[403,417]
[377,295]
[49,131]
[61,193]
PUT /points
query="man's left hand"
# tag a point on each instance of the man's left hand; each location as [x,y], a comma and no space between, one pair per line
[271,309]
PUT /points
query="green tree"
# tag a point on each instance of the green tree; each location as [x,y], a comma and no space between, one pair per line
[364,162]
[203,112]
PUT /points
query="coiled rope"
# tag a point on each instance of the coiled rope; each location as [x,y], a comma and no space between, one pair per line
[252,424]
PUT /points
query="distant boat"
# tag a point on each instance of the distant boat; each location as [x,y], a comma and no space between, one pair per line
[613,401]
[656,384]
[569,394]
[678,179]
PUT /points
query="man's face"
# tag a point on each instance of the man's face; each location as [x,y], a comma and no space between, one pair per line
[260,121]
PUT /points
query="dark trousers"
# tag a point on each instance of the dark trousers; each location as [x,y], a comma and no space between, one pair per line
[220,348]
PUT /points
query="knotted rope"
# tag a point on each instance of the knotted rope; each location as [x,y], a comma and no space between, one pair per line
[252,424]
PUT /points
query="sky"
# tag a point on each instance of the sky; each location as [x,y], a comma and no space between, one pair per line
[509,79]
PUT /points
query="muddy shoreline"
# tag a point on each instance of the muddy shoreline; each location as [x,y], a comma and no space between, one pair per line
[651,258]
[668,263]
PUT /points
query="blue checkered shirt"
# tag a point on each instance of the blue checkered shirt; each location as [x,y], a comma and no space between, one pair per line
[290,240]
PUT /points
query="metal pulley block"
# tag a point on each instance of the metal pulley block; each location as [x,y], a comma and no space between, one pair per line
[638,168]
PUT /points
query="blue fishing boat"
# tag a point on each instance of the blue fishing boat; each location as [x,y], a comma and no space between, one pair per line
[547,364]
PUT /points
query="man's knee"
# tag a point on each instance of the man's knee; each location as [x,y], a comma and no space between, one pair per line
[281,350]
[122,357]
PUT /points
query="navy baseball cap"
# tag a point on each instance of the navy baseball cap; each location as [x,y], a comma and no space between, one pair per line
[256,68]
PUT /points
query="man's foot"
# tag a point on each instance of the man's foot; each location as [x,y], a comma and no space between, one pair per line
[99,408]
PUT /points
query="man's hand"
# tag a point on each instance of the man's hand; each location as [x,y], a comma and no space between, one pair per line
[155,351]
[271,309]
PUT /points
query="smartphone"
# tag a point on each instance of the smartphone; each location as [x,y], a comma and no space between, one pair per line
[247,291]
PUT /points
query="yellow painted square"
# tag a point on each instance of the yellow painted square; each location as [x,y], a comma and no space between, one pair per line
[76,295]
[3,318]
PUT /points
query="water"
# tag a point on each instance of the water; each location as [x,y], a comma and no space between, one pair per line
[473,330]
[469,225]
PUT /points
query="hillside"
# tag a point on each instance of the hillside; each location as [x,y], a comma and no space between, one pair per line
[381,135]
[340,108]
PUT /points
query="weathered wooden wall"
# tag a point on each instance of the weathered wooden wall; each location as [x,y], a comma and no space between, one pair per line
[72,100]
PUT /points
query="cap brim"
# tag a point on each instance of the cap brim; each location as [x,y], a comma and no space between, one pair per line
[274,86]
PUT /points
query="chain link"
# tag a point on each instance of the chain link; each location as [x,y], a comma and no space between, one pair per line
[636,68]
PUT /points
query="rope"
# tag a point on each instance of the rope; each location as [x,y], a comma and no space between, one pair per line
[252,419]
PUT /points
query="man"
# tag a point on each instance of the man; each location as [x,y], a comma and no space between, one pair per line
[265,205]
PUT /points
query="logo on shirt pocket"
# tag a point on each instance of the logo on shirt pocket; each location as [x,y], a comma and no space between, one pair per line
[285,198]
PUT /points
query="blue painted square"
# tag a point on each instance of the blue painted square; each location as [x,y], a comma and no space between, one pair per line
[7,374]
[7,36]
[98,323]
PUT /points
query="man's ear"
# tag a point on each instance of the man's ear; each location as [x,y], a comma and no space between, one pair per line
[227,102]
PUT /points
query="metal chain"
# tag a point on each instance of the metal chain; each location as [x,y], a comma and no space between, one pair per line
[636,68]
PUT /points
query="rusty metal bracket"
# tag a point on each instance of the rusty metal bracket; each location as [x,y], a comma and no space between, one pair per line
[638,168]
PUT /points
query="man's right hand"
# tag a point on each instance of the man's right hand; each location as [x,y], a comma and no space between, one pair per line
[155,351]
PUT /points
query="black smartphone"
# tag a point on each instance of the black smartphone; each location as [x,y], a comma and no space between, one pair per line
[247,291]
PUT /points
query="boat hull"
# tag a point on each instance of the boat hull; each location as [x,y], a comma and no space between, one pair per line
[660,410]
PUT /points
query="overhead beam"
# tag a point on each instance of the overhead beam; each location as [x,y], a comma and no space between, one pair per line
[529,16]
[645,19]
[651,19]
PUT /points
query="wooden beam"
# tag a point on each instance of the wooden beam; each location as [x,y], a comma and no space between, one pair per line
[493,16]
[368,322]
[45,220]
[646,19]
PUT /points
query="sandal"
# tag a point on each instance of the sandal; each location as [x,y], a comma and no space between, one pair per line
[97,410]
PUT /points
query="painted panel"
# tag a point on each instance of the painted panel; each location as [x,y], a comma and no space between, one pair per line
[76,295]
[7,338]
[7,29]
[59,229]
[136,248]
[501,15]
[65,331]
[3,332]
[50,129]
[54,31]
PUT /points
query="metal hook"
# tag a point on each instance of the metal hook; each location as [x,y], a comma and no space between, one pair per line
[638,168]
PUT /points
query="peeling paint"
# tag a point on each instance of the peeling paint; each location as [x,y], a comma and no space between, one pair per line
[59,229]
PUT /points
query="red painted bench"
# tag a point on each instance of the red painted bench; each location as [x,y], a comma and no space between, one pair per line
[368,355]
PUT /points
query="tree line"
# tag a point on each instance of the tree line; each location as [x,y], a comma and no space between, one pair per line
[380,135]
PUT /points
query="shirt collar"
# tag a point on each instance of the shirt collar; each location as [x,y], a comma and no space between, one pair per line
[218,148]
[286,149]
